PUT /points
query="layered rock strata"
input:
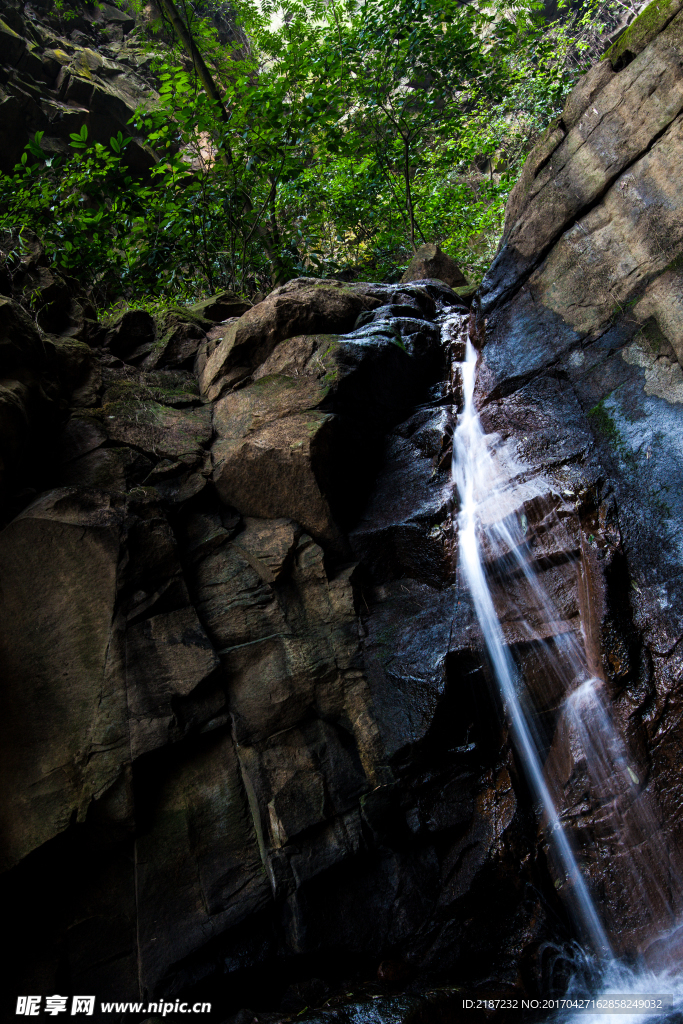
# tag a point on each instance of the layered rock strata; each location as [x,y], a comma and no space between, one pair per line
[579,320]
[234,743]
[246,729]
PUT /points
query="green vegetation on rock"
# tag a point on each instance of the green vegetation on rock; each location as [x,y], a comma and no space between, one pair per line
[645,27]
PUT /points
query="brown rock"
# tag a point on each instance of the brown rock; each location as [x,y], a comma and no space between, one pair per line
[271,459]
[180,332]
[80,435]
[302,306]
[620,239]
[268,545]
[642,31]
[78,369]
[156,429]
[103,470]
[280,470]
[302,355]
[59,654]
[612,121]
[283,655]
[301,777]
[430,262]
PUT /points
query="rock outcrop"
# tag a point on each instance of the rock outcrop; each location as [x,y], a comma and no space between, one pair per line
[430,261]
[579,319]
[58,73]
[63,67]
[231,724]
[249,752]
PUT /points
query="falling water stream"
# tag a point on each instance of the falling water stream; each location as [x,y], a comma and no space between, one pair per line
[493,492]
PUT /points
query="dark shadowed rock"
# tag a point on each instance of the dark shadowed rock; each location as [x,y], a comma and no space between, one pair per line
[131,332]
[73,749]
[222,306]
[200,831]
[21,347]
[61,80]
[179,332]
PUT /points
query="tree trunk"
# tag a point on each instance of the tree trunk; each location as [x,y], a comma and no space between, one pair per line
[409,197]
[185,37]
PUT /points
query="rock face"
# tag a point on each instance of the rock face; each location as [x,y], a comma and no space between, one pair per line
[250,754]
[579,319]
[232,729]
[59,73]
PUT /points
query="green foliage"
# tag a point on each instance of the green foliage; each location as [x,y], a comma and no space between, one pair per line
[69,10]
[349,132]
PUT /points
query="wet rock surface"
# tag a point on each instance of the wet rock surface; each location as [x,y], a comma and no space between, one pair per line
[230,606]
[251,751]
[581,379]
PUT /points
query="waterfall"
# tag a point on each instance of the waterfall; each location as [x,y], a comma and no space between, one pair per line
[493,491]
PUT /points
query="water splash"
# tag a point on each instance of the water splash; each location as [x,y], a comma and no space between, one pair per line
[493,491]
[476,478]
[626,816]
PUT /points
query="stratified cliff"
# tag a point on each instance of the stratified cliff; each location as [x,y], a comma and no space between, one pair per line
[59,73]
[233,743]
[248,750]
[581,322]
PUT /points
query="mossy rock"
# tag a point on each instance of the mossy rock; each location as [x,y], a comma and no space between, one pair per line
[174,315]
[642,31]
[466,293]
[221,306]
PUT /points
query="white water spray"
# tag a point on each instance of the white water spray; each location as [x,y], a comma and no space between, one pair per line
[474,475]
[491,528]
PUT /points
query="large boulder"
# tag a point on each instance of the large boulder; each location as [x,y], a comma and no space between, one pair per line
[302,306]
[285,441]
[180,332]
[429,262]
[130,335]
[222,306]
